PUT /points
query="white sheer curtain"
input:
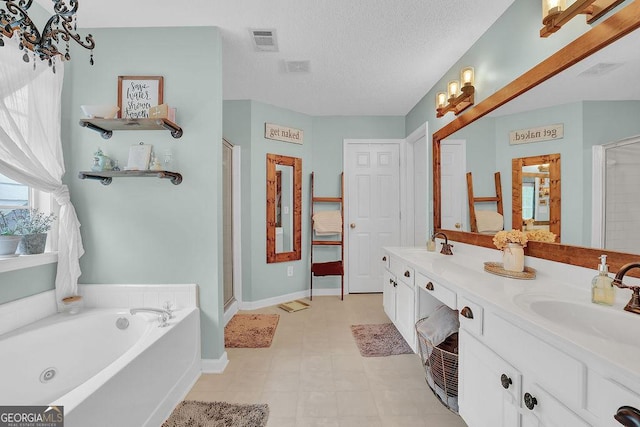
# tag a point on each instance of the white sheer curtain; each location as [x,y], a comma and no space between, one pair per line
[31,149]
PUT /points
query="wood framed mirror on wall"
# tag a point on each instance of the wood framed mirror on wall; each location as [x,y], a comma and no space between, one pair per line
[284,208]
[542,203]
[620,24]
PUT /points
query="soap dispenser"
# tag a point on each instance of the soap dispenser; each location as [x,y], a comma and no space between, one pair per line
[431,244]
[602,289]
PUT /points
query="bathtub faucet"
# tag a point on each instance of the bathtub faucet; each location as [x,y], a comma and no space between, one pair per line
[163,315]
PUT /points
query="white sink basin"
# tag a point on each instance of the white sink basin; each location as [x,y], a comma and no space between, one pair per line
[609,323]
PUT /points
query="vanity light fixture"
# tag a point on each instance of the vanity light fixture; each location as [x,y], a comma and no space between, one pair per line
[60,28]
[555,13]
[459,94]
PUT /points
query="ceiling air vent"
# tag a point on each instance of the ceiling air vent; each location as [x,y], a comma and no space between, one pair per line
[599,69]
[264,40]
[297,66]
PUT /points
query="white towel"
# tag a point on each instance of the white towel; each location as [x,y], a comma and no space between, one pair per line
[442,323]
[327,223]
[489,221]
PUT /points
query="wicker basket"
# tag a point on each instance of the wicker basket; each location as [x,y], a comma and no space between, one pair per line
[441,368]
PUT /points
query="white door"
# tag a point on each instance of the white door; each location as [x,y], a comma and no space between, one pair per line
[373,214]
[453,193]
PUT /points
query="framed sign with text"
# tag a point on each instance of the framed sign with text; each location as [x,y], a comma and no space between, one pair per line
[136,94]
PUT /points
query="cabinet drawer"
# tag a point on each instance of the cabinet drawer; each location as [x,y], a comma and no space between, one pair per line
[471,315]
[559,374]
[442,293]
[403,272]
[385,260]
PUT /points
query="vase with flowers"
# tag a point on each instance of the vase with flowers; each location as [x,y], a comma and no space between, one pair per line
[512,244]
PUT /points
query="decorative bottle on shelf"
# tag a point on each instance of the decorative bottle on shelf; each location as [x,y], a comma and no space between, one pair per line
[602,289]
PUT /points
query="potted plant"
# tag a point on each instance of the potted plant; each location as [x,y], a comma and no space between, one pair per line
[9,239]
[33,226]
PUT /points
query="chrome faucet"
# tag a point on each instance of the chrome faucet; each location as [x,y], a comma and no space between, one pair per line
[446,247]
[634,304]
[163,315]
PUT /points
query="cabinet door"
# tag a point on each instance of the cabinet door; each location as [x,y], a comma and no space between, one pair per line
[483,399]
[389,295]
[541,409]
[405,313]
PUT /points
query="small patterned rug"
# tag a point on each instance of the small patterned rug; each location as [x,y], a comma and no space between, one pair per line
[250,330]
[379,340]
[217,414]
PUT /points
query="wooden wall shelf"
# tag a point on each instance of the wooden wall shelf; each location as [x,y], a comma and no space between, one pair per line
[106,126]
[106,177]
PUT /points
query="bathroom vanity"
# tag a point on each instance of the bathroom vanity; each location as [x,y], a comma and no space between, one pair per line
[531,352]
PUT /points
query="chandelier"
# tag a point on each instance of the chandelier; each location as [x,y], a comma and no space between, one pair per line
[59,30]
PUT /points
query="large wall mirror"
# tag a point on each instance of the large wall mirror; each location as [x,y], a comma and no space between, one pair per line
[284,208]
[590,87]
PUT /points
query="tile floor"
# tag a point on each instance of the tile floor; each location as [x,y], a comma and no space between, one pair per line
[313,374]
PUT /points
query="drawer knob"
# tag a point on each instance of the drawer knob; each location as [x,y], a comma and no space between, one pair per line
[384,258]
[391,281]
[466,312]
[505,380]
[530,401]
[395,284]
[628,416]
[429,286]
[407,274]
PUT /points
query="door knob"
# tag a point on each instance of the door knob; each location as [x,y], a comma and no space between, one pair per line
[505,381]
[429,286]
[530,401]
[384,258]
[458,225]
[352,225]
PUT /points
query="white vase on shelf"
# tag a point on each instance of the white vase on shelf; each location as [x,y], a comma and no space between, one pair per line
[513,257]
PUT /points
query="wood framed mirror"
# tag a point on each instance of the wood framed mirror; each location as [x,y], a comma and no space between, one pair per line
[602,35]
[284,208]
[536,193]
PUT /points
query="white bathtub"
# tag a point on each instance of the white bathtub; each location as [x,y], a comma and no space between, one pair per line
[102,375]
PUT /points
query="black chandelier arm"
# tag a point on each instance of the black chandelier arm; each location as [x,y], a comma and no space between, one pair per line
[17,15]
[59,28]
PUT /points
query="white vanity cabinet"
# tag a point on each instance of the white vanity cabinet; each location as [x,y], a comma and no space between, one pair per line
[515,370]
[506,374]
[398,297]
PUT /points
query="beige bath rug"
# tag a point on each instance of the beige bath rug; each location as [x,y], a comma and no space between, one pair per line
[379,340]
[250,330]
[217,414]
[296,305]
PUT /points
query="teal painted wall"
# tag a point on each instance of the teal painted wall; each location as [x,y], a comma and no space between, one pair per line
[26,282]
[321,152]
[148,230]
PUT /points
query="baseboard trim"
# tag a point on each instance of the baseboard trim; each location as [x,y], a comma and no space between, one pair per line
[215,366]
[254,305]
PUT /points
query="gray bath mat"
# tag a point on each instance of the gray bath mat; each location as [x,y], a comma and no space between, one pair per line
[217,414]
[379,340]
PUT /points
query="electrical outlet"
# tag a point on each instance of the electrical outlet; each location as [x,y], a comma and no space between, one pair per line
[290,271]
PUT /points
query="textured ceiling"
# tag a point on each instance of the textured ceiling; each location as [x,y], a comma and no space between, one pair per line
[367,57]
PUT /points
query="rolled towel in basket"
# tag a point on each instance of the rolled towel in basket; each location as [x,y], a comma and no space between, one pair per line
[442,323]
